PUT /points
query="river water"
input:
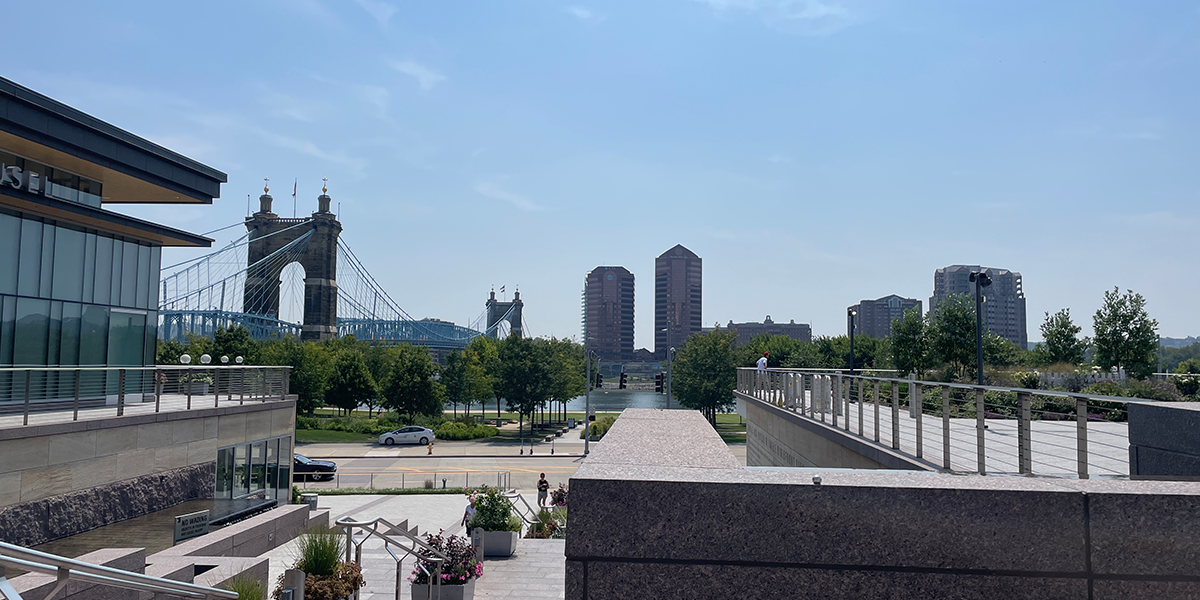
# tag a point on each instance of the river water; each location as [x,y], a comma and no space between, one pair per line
[617,400]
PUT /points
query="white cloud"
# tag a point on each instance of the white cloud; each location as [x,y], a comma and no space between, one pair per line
[491,190]
[382,11]
[377,97]
[425,77]
[803,17]
[584,14]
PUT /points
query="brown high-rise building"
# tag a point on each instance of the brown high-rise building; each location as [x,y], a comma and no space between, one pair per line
[677,297]
[608,313]
[1004,304]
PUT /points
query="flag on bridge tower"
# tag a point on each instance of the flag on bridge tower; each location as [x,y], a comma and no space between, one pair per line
[294,196]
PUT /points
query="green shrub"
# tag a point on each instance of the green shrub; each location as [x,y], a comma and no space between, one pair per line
[247,587]
[1105,388]
[1187,384]
[493,511]
[308,423]
[320,550]
[1027,379]
[599,427]
[461,431]
[1152,389]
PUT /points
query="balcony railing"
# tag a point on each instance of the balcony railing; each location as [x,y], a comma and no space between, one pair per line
[960,427]
[52,394]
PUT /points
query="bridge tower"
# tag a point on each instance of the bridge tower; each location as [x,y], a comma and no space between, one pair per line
[319,261]
[496,311]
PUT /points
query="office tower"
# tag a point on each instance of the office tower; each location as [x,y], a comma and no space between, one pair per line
[608,313]
[875,316]
[677,298]
[1004,305]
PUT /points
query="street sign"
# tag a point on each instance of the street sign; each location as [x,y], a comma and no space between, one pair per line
[190,525]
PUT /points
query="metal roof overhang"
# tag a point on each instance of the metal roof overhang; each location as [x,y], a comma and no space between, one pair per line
[99,219]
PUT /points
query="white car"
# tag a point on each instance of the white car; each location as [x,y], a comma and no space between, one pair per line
[407,435]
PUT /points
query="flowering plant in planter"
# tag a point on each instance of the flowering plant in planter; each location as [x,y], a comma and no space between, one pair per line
[460,567]
[493,512]
[559,497]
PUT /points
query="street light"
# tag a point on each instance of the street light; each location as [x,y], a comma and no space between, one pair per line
[981,280]
[850,313]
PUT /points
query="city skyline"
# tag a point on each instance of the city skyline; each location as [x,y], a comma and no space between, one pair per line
[814,158]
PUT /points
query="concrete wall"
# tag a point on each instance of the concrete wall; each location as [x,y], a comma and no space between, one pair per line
[1163,440]
[59,479]
[685,521]
[776,437]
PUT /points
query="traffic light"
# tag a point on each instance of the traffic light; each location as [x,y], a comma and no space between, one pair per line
[658,383]
[622,385]
[599,381]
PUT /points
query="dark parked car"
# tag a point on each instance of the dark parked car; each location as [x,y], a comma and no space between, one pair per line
[303,467]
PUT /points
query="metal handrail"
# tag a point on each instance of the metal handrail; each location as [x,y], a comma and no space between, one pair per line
[819,394]
[371,528]
[66,569]
[530,523]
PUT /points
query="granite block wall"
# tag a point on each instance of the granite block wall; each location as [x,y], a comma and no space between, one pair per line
[687,524]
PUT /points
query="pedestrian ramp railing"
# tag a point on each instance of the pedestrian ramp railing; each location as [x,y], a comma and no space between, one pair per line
[66,570]
[959,427]
[399,542]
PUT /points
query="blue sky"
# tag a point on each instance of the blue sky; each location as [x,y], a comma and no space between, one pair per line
[813,154]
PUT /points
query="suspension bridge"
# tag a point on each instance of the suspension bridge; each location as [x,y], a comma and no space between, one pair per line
[241,284]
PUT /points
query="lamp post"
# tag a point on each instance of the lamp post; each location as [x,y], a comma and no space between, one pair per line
[587,402]
[850,313]
[981,280]
[670,354]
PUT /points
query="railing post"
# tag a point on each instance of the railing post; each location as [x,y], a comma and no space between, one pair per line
[121,392]
[836,398]
[946,427]
[980,429]
[241,385]
[28,377]
[78,376]
[859,402]
[216,387]
[914,408]
[895,414]
[187,383]
[847,388]
[1081,442]
[916,398]
[1024,445]
[876,410]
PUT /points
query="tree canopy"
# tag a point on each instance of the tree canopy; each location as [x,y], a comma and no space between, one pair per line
[703,374]
[1125,335]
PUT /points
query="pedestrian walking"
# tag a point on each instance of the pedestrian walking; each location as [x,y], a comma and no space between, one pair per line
[543,490]
[468,515]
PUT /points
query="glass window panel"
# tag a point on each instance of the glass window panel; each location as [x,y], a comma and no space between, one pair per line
[285,467]
[54,338]
[144,277]
[89,266]
[30,263]
[126,337]
[224,483]
[10,252]
[129,274]
[32,329]
[8,318]
[104,269]
[68,353]
[118,250]
[241,471]
[155,268]
[272,468]
[47,277]
[258,471]
[93,336]
[68,266]
[151,339]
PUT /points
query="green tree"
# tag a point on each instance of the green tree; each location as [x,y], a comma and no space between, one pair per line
[485,371]
[567,371]
[780,347]
[704,372]
[456,378]
[1189,366]
[1126,337]
[409,389]
[998,351]
[234,342]
[524,377]
[910,343]
[168,352]
[351,384]
[1061,341]
[952,333]
[311,367]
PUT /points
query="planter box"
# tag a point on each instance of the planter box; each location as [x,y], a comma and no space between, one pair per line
[449,592]
[198,388]
[499,543]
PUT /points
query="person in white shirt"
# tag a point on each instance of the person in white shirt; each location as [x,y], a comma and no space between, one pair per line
[762,362]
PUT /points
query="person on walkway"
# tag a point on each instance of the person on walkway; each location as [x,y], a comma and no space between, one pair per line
[543,490]
[467,516]
[762,362]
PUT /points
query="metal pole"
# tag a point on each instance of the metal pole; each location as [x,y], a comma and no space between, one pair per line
[670,352]
[587,402]
[980,429]
[1024,444]
[78,376]
[916,398]
[979,329]
[895,415]
[28,376]
[946,427]
[861,384]
[1081,441]
[121,393]
[876,410]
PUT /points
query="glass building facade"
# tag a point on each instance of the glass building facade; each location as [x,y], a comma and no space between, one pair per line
[261,469]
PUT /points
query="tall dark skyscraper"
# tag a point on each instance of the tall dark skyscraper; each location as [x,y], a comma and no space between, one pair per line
[608,313]
[677,297]
[1004,305]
